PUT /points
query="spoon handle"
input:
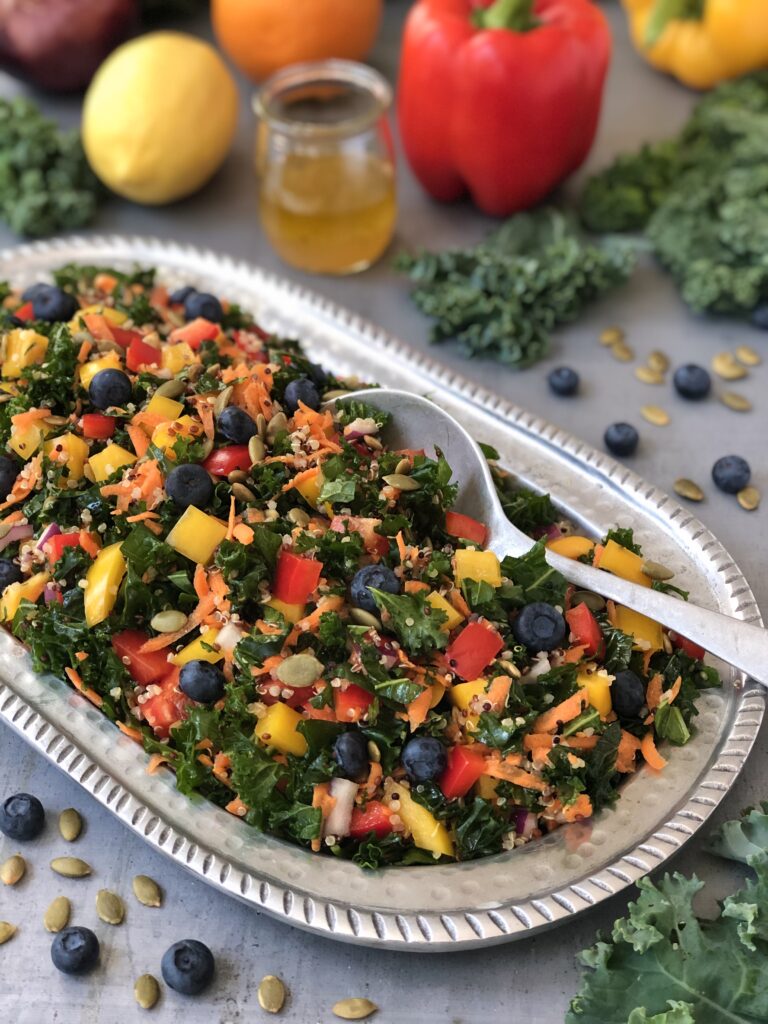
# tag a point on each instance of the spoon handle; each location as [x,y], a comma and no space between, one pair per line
[740,644]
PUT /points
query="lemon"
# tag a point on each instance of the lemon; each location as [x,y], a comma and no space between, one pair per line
[159,117]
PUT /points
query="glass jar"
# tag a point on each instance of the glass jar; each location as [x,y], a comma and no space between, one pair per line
[325,165]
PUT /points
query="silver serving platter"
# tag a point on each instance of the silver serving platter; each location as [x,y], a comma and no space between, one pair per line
[421,909]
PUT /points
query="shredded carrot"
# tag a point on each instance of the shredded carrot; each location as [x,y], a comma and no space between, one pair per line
[574,654]
[231,518]
[498,769]
[237,807]
[156,762]
[301,478]
[673,691]
[244,534]
[221,765]
[566,711]
[611,612]
[402,549]
[580,808]
[105,282]
[326,604]
[141,482]
[79,685]
[129,731]
[88,543]
[200,581]
[375,775]
[321,797]
[158,643]
[536,741]
[13,517]
[206,760]
[418,709]
[597,554]
[155,528]
[141,517]
[139,439]
[456,600]
[98,325]
[22,421]
[652,757]
[269,664]
[498,692]
[415,586]
[653,692]
[81,655]
[84,351]
[625,755]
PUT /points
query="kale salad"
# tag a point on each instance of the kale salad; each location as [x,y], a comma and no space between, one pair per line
[289,614]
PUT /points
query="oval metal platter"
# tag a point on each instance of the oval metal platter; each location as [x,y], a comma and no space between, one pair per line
[420,909]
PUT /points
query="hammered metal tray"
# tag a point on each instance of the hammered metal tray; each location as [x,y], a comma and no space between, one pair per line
[421,909]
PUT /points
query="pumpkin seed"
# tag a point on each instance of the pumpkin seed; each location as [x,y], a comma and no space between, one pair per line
[171,388]
[7,931]
[354,1009]
[403,467]
[147,891]
[735,401]
[299,670]
[373,442]
[364,618]
[13,870]
[724,364]
[594,602]
[261,425]
[657,571]
[256,450]
[658,361]
[109,907]
[655,414]
[402,482]
[611,336]
[622,352]
[688,489]
[70,867]
[276,425]
[374,753]
[147,991]
[55,421]
[243,493]
[329,396]
[206,447]
[298,517]
[749,498]
[169,621]
[747,355]
[237,476]
[271,994]
[649,376]
[57,915]
[222,400]
[70,824]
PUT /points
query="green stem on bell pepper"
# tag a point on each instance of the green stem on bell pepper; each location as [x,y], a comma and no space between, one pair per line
[665,11]
[514,15]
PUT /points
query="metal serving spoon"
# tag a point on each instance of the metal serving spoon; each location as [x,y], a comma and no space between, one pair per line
[416,420]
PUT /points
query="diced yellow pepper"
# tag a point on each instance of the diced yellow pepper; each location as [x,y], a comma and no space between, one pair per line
[15,593]
[278,729]
[438,692]
[169,409]
[102,583]
[176,357]
[485,787]
[109,361]
[110,314]
[426,831]
[69,449]
[165,435]
[310,488]
[644,630]
[623,562]
[453,617]
[462,694]
[23,347]
[571,547]
[196,535]
[598,687]
[26,442]
[111,458]
[195,651]
[290,612]
[477,565]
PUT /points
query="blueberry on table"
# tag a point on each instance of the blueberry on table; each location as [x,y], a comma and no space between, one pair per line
[301,390]
[8,473]
[692,381]
[22,817]
[189,485]
[731,473]
[760,316]
[202,682]
[627,694]
[9,573]
[372,577]
[75,950]
[180,295]
[621,439]
[52,304]
[563,381]
[351,751]
[203,304]
[110,388]
[424,758]
[188,967]
[539,627]
[236,425]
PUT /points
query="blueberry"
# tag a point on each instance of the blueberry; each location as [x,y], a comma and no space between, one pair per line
[621,439]
[351,751]
[627,694]
[75,950]
[236,425]
[110,388]
[539,627]
[203,304]
[202,681]
[563,381]
[731,473]
[22,817]
[424,758]
[301,390]
[51,303]
[760,316]
[9,573]
[187,967]
[8,473]
[30,294]
[180,296]
[317,374]
[692,381]
[189,485]
[376,577]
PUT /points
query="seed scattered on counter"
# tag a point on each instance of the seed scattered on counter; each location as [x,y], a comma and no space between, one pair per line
[648,375]
[656,415]
[749,498]
[611,336]
[271,994]
[70,824]
[657,571]
[658,361]
[724,364]
[110,907]
[7,931]
[70,867]
[748,356]
[735,401]
[57,915]
[354,1009]
[13,870]
[147,991]
[623,352]
[688,489]
[147,891]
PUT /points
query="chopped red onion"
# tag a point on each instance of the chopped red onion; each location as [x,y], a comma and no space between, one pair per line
[19,532]
[50,531]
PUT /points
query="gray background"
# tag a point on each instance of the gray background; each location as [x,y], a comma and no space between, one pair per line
[532,979]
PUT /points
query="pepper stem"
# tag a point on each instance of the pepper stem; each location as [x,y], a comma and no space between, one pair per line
[665,11]
[514,15]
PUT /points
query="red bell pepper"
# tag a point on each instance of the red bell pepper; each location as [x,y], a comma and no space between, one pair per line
[584,628]
[196,332]
[351,704]
[54,546]
[144,667]
[687,646]
[222,461]
[296,578]
[457,525]
[473,650]
[140,354]
[501,98]
[301,694]
[373,818]
[97,426]
[166,708]
[122,337]
[25,312]
[465,766]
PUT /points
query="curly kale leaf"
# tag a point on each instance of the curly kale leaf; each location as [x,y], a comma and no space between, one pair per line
[413,620]
[532,572]
[743,838]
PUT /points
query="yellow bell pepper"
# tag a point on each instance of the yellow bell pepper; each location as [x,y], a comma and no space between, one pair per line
[477,565]
[15,593]
[70,450]
[196,535]
[22,347]
[195,651]
[290,612]
[167,408]
[278,729]
[102,583]
[453,617]
[310,488]
[725,39]
[572,547]
[598,687]
[426,831]
[109,459]
[177,357]
[623,562]
[109,361]
[641,628]
[462,694]
[165,435]
[110,314]
[26,442]
[485,787]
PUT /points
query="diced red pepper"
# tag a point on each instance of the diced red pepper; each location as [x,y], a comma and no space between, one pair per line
[296,578]
[374,817]
[54,546]
[584,628]
[145,667]
[140,354]
[351,704]
[457,525]
[465,766]
[166,708]
[222,461]
[123,337]
[97,426]
[687,646]
[301,695]
[25,312]
[473,650]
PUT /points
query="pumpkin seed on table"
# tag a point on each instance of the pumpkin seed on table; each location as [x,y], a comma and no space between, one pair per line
[7,931]
[655,414]
[13,870]
[612,336]
[70,867]
[623,352]
[70,824]
[299,670]
[401,482]
[271,994]
[109,907]
[354,1009]
[146,991]
[735,401]
[748,356]
[648,375]
[724,364]
[147,891]
[658,361]
[749,499]
[57,915]
[168,621]
[688,489]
